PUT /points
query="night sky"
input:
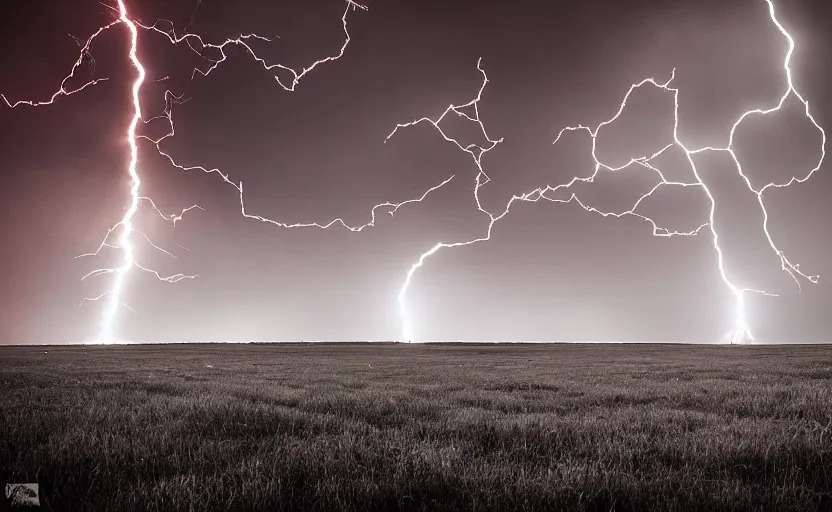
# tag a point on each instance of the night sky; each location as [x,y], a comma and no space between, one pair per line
[550,272]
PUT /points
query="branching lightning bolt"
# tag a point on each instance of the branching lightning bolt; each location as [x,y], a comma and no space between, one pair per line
[741,330]
[125,228]
[62,90]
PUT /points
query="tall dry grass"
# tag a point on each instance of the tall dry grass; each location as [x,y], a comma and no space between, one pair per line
[377,427]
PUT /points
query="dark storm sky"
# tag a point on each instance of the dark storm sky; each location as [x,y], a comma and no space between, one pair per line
[550,272]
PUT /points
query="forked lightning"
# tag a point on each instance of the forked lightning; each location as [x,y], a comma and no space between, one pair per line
[740,330]
[124,230]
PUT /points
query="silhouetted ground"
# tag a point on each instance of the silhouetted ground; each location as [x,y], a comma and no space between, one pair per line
[456,427]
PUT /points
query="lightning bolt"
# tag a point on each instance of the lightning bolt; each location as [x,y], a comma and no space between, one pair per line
[126,222]
[124,229]
[62,90]
[741,330]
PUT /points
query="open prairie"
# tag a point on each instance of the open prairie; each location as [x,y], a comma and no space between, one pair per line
[419,427]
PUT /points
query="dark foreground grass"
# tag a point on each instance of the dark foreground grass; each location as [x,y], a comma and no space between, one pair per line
[375,427]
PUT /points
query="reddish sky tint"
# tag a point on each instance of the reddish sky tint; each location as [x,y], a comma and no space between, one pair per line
[550,271]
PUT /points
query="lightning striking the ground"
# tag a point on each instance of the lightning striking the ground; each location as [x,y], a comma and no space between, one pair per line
[741,331]
[124,230]
[122,236]
[126,222]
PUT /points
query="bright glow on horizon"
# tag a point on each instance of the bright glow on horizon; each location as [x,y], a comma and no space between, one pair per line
[741,331]
[108,319]
[124,228]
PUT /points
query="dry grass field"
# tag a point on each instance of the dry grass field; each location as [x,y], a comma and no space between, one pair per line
[420,427]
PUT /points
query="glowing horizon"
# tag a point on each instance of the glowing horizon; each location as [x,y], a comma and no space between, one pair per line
[124,229]
[741,330]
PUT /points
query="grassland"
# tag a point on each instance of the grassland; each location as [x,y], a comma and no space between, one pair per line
[457,427]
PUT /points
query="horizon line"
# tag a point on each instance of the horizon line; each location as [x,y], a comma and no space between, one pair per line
[420,342]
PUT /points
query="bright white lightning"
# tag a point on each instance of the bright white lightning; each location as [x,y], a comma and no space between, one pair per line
[125,227]
[105,334]
[741,330]
[242,40]
[62,90]
[391,207]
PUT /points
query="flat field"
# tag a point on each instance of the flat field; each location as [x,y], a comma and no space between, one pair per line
[419,427]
